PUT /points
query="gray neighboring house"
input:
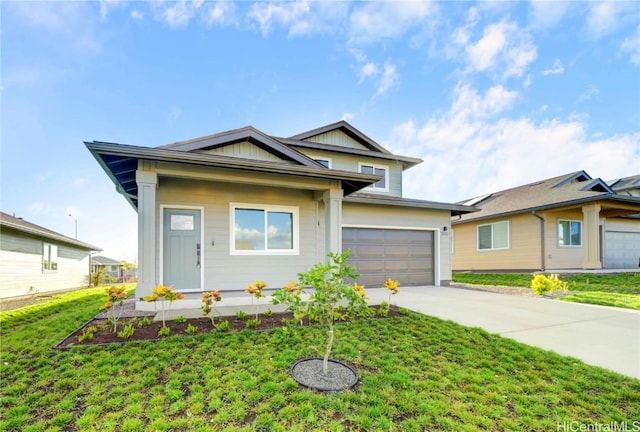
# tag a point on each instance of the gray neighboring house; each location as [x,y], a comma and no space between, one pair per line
[220,211]
[36,260]
[113,268]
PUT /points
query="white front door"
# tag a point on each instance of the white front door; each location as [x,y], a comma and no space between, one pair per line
[182,249]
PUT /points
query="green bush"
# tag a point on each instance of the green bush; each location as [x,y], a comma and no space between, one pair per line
[542,284]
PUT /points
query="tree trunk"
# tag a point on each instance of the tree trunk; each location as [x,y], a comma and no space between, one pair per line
[325,363]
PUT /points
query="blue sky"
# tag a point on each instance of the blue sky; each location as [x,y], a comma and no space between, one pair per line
[490,94]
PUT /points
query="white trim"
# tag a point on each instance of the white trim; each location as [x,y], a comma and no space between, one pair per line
[316,158]
[161,242]
[295,213]
[436,244]
[386,176]
[508,221]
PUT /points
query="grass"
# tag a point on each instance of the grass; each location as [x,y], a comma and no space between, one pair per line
[628,301]
[620,290]
[417,373]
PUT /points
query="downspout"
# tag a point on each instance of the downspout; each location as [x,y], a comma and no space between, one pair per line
[542,251]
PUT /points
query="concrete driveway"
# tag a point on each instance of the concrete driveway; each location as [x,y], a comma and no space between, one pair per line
[598,335]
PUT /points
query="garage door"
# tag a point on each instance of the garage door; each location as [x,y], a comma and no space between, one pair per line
[377,254]
[622,250]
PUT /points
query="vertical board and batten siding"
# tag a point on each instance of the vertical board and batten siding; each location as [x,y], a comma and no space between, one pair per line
[523,252]
[234,272]
[375,216]
[21,266]
[348,162]
[337,138]
[245,150]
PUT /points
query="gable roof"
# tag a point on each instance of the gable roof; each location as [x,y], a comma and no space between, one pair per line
[346,128]
[247,133]
[103,260]
[625,184]
[569,189]
[19,224]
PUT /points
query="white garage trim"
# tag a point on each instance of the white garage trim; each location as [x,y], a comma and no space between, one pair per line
[436,242]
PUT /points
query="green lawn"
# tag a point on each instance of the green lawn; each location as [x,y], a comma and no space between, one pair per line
[417,373]
[620,290]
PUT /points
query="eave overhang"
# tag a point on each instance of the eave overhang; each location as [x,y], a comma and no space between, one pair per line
[120,162]
[49,236]
[455,209]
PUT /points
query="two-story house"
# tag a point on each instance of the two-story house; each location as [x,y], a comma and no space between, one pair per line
[219,211]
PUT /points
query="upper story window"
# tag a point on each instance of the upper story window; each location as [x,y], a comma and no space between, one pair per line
[493,236]
[49,257]
[381,185]
[569,233]
[264,230]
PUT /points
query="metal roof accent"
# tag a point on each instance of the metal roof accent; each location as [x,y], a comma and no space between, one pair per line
[22,225]
[456,209]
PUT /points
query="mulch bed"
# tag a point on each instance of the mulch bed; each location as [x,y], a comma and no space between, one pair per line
[104,334]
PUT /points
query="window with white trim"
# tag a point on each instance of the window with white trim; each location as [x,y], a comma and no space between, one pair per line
[264,230]
[49,257]
[569,232]
[493,236]
[381,185]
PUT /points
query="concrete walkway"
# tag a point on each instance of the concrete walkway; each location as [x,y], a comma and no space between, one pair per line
[598,335]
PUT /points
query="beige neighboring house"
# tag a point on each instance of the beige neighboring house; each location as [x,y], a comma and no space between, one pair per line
[116,269]
[220,211]
[568,222]
[36,260]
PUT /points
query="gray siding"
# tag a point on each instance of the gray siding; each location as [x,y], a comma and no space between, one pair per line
[352,163]
[244,150]
[337,138]
[21,269]
[234,272]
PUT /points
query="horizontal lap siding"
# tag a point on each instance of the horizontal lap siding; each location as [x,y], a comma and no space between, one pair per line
[234,272]
[562,257]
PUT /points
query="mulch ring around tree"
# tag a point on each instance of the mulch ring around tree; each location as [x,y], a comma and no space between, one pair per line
[148,331]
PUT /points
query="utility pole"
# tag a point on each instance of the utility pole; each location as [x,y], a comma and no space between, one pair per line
[76,222]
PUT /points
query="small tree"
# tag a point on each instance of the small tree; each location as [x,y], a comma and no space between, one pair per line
[330,293]
[164,293]
[291,295]
[209,301]
[115,296]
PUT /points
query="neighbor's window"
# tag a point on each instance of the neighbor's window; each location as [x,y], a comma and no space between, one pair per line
[493,236]
[570,233]
[269,230]
[49,257]
[379,170]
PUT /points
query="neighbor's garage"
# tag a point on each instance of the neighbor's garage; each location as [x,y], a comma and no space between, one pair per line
[622,250]
[404,255]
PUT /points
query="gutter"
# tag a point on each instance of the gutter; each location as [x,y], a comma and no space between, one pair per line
[542,251]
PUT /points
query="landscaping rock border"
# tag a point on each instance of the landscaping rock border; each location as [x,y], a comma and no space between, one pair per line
[308,373]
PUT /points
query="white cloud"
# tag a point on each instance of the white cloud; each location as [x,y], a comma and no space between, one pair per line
[367,70]
[388,79]
[347,116]
[555,69]
[106,5]
[603,18]
[503,46]
[137,15]
[219,12]
[545,14]
[631,46]
[176,15]
[299,17]
[458,150]
[591,92]
[469,104]
[376,21]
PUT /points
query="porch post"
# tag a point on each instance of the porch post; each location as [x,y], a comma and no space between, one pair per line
[332,199]
[147,250]
[591,237]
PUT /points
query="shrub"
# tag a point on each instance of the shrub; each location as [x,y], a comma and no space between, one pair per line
[383,310]
[144,322]
[191,329]
[87,334]
[162,293]
[268,313]
[255,290]
[291,294]
[253,323]
[222,326]
[179,319]
[241,315]
[115,296]
[164,331]
[542,284]
[126,332]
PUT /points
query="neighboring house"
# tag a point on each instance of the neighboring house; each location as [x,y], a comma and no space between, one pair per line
[114,268]
[219,211]
[568,222]
[36,260]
